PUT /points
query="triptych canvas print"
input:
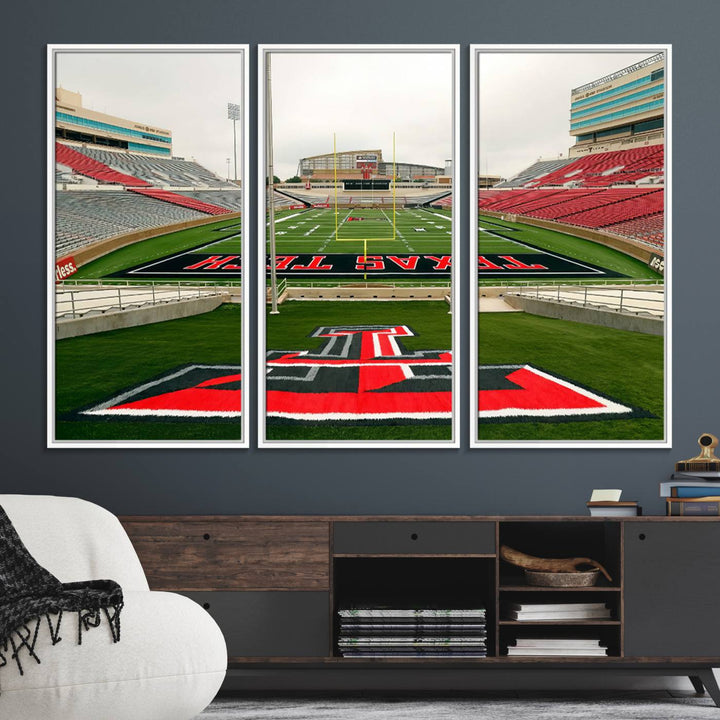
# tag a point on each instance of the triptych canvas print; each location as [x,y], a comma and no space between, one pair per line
[382,238]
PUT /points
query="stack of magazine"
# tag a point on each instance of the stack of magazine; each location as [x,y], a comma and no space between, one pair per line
[412,632]
[529,612]
[563,647]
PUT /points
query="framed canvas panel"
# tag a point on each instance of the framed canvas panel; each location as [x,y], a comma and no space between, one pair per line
[358,322]
[570,196]
[147,299]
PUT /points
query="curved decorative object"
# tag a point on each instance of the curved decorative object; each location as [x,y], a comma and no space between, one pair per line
[530,562]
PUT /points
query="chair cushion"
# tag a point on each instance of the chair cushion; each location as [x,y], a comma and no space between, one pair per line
[168,665]
[75,540]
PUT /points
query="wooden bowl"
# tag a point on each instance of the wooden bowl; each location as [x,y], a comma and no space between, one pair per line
[584,578]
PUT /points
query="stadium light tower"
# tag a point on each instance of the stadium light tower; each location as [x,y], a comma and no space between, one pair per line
[234,115]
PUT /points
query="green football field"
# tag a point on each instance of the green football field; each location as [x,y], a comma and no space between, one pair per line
[626,366]
[501,236]
[92,368]
[409,230]
[222,236]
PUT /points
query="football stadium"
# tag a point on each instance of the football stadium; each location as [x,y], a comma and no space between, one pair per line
[359,324]
[147,247]
[571,264]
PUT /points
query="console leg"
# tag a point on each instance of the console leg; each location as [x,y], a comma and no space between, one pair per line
[697,684]
[708,680]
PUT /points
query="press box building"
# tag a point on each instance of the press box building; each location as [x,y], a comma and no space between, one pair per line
[621,110]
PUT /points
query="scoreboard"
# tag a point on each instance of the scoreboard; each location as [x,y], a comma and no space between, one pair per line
[366,184]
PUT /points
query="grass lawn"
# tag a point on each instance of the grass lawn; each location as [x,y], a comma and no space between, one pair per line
[225,233]
[556,242]
[92,368]
[290,330]
[627,366]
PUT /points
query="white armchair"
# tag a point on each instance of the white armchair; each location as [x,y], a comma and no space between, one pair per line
[170,661]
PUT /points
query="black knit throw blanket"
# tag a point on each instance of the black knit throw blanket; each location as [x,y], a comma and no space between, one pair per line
[30,596]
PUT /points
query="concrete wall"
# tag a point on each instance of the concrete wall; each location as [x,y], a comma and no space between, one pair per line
[592,316]
[138,316]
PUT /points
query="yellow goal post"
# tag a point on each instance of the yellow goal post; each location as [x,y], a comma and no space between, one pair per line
[338,225]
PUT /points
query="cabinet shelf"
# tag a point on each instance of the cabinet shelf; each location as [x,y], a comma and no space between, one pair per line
[534,588]
[519,623]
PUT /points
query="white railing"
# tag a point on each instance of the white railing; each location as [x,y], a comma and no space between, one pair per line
[101,299]
[135,282]
[379,284]
[494,282]
[631,301]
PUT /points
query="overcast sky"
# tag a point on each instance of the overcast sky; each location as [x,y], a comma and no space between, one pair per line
[363,98]
[524,108]
[184,92]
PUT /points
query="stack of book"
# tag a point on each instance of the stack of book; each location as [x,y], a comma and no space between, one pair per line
[692,493]
[610,508]
[565,647]
[533,612]
[423,632]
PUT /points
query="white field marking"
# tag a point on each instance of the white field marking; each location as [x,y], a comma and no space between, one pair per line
[362,416]
[401,236]
[532,249]
[292,227]
[340,224]
[405,242]
[283,219]
[330,237]
[311,230]
[140,412]
[444,217]
[385,216]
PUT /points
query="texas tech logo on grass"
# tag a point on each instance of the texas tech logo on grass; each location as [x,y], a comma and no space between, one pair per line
[193,392]
[523,393]
[361,374]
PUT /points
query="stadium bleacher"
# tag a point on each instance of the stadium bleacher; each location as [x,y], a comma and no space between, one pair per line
[182,200]
[595,209]
[166,172]
[229,199]
[88,216]
[621,209]
[535,172]
[649,229]
[606,168]
[619,191]
[92,168]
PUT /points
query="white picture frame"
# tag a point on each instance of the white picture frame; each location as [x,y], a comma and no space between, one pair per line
[475,169]
[263,441]
[242,144]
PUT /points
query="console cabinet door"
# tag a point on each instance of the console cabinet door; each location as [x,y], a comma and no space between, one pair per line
[270,624]
[672,583]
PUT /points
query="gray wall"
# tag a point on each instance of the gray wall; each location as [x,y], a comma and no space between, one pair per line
[381,481]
